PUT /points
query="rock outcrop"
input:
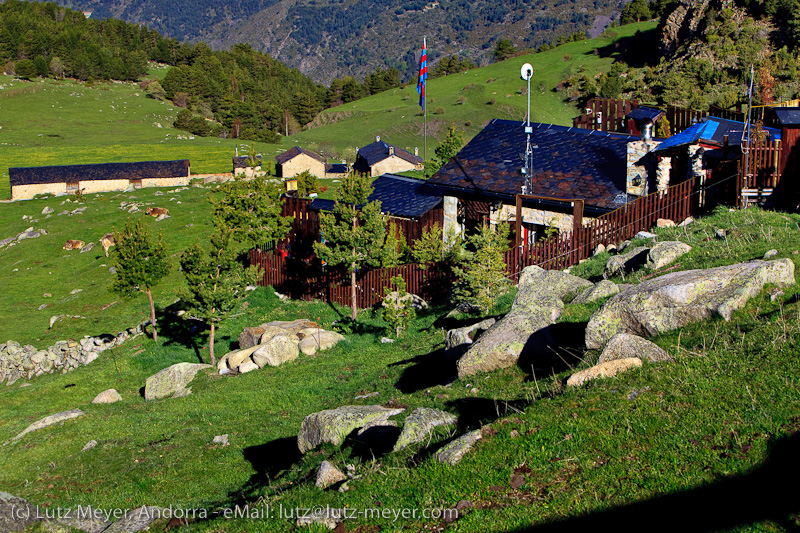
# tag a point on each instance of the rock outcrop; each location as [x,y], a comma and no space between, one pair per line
[454,451]
[603,370]
[625,346]
[334,425]
[171,381]
[419,425]
[45,422]
[674,300]
[537,305]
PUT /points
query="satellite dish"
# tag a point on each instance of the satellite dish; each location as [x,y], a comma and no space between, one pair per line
[526,72]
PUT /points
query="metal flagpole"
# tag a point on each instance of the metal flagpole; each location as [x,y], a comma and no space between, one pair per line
[425,110]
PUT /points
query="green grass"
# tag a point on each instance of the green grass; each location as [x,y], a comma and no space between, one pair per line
[692,429]
[63,122]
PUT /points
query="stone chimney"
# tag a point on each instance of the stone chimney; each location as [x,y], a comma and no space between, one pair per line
[416,151]
[377,138]
[391,150]
[641,166]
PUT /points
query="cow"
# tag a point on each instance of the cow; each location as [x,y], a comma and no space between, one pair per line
[156,211]
[107,241]
[73,244]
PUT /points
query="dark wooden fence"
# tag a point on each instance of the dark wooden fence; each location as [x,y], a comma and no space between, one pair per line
[304,278]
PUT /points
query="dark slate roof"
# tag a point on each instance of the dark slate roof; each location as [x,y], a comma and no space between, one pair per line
[101,171]
[291,153]
[643,112]
[243,161]
[379,150]
[337,168]
[569,163]
[788,116]
[710,130]
[399,196]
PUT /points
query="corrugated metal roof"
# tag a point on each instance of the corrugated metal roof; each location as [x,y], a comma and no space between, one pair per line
[712,130]
[567,163]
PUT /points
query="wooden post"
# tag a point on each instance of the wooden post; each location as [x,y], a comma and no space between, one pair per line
[577,226]
[518,221]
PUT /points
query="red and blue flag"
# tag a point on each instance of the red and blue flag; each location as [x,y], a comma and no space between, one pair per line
[423,74]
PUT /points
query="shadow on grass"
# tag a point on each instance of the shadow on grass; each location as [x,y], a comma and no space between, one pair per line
[763,494]
[429,370]
[554,349]
[177,330]
[638,50]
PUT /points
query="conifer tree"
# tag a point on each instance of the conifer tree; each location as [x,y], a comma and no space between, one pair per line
[398,306]
[140,263]
[482,273]
[354,233]
[216,280]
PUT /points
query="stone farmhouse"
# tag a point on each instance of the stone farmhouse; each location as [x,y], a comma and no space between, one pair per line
[242,166]
[380,158]
[27,182]
[297,160]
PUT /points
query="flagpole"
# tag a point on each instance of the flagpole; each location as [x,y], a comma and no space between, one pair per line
[423,75]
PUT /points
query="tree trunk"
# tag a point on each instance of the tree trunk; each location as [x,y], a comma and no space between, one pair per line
[152,314]
[211,345]
[353,292]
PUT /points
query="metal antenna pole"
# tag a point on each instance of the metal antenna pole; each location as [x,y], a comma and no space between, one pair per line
[527,74]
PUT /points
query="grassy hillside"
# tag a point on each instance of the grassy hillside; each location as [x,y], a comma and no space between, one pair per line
[702,443]
[54,122]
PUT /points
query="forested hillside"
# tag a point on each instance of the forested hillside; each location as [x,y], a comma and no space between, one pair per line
[329,39]
[701,54]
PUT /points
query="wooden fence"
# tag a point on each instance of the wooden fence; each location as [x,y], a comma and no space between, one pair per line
[304,278]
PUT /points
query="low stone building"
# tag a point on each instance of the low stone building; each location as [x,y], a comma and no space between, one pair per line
[242,165]
[297,160]
[380,158]
[27,182]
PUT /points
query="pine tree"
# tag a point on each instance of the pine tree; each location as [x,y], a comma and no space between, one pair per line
[482,273]
[398,306]
[352,236]
[216,280]
[253,209]
[450,145]
[140,263]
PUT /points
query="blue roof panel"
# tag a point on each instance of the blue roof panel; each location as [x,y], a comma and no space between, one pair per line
[399,196]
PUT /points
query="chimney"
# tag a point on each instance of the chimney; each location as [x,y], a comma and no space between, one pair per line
[416,151]
[391,150]
[647,130]
[377,138]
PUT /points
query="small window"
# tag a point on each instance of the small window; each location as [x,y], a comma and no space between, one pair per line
[136,184]
[73,186]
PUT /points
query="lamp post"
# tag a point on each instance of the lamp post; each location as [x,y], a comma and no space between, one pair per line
[526,72]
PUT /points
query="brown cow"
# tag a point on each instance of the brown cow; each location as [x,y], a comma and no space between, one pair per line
[107,241]
[156,211]
[73,244]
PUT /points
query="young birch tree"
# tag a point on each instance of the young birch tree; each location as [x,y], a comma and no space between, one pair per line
[354,233]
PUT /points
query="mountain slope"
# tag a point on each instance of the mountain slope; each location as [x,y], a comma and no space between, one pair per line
[327,39]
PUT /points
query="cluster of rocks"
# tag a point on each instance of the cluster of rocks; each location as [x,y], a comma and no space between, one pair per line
[275,343]
[372,425]
[29,233]
[631,313]
[26,362]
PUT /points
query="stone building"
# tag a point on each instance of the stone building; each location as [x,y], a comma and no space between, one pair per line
[380,158]
[27,182]
[297,160]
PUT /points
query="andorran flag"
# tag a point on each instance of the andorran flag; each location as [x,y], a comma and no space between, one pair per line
[423,74]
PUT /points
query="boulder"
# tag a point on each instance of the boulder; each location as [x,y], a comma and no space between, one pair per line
[665,223]
[314,340]
[625,346]
[674,300]
[665,253]
[453,452]
[537,305]
[328,475]
[603,289]
[769,254]
[627,262]
[645,235]
[47,421]
[419,425]
[171,381]
[247,366]
[293,326]
[460,336]
[236,358]
[603,370]
[250,336]
[334,425]
[107,396]
[393,299]
[276,351]
[16,514]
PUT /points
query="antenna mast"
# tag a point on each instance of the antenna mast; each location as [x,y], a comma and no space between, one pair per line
[527,73]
